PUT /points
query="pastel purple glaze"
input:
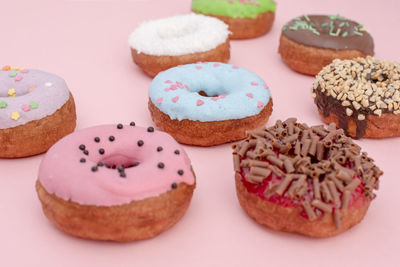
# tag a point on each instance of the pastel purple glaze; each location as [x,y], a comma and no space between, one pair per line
[50,94]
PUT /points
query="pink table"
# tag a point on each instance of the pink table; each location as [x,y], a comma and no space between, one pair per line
[85,41]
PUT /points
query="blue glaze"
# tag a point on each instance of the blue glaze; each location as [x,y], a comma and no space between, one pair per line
[214,80]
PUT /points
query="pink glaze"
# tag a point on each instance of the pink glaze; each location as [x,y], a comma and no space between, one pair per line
[61,172]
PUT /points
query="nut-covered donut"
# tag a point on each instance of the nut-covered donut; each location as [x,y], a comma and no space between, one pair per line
[362,96]
[209,103]
[246,18]
[115,182]
[36,110]
[309,180]
[165,43]
[310,42]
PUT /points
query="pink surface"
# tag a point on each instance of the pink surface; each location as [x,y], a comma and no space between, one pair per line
[61,172]
[85,42]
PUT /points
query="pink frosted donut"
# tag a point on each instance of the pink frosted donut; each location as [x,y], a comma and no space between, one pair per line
[120,182]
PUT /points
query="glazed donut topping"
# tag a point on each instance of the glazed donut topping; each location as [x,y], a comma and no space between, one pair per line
[358,88]
[317,169]
[332,31]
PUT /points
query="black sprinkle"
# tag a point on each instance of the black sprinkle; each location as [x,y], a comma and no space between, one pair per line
[111,138]
[85,152]
[160,165]
[174,186]
[159,148]
[177,152]
[180,172]
[120,126]
[97,139]
[101,151]
[132,123]
[135,164]
[82,147]
[140,143]
[150,129]
[94,169]
[100,164]
[121,169]
[83,160]
[122,174]
[107,166]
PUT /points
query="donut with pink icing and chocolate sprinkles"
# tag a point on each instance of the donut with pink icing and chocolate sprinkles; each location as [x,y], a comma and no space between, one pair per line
[36,110]
[209,103]
[115,182]
[309,180]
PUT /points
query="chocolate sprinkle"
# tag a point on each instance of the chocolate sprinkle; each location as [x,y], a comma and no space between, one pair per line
[140,143]
[150,129]
[120,126]
[159,148]
[160,165]
[318,168]
[132,123]
[111,138]
[82,160]
[177,152]
[174,186]
[85,152]
[82,147]
[180,172]
[100,164]
[94,169]
[101,151]
[97,139]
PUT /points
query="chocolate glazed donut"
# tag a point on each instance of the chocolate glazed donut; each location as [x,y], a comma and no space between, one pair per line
[308,43]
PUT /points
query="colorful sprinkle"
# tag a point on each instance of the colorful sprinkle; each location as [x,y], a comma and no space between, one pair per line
[198,67]
[15,115]
[187,87]
[11,92]
[159,100]
[179,84]
[249,95]
[175,99]
[18,78]
[235,67]
[174,87]
[265,86]
[215,98]
[3,104]
[200,102]
[216,64]
[32,89]
[168,81]
[222,96]
[260,104]
[26,107]
[48,84]
[254,83]
[12,74]
[33,105]
[6,68]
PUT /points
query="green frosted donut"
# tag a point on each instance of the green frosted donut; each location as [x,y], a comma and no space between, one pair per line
[233,8]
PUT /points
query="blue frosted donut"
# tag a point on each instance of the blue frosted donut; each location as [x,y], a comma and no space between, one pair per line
[208,92]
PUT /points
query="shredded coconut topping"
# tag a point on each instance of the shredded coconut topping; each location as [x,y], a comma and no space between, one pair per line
[179,35]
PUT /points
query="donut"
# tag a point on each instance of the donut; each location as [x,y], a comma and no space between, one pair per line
[362,96]
[209,103]
[115,182]
[309,180]
[246,18]
[310,42]
[36,110]
[165,43]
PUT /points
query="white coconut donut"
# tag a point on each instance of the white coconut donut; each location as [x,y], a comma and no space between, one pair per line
[165,43]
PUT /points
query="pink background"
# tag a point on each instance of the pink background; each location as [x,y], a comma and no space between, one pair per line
[85,42]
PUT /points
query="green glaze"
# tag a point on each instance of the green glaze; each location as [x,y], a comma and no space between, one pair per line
[233,8]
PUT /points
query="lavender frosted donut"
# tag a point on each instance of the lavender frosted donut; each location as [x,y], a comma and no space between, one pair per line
[36,110]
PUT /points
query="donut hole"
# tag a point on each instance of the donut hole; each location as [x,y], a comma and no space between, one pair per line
[202,93]
[176,31]
[115,161]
